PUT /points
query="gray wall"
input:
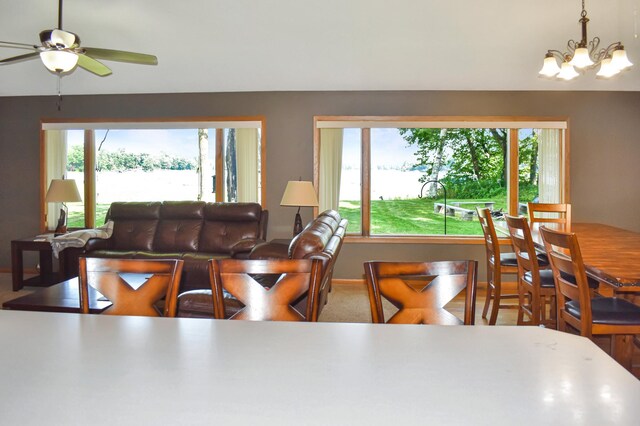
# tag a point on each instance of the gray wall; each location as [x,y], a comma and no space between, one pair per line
[605,151]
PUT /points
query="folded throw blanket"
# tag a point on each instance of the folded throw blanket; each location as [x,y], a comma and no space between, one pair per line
[80,238]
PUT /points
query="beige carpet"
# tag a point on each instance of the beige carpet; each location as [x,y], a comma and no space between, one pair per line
[6,292]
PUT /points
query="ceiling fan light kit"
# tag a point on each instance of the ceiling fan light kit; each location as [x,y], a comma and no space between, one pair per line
[59,61]
[585,55]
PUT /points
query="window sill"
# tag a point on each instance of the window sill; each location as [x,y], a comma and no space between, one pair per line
[422,239]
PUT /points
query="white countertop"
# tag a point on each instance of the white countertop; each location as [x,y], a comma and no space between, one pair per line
[74,369]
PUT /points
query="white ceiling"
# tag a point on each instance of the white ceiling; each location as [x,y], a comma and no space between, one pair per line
[283,45]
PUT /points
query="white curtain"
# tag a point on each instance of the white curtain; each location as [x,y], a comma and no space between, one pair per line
[247,151]
[550,179]
[330,168]
[55,148]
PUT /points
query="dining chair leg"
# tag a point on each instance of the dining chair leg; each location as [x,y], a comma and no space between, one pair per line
[535,309]
[495,307]
[487,300]
[521,303]
[622,349]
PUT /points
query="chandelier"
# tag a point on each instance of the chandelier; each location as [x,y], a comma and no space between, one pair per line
[585,55]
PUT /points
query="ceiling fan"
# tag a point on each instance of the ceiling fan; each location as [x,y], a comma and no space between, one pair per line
[60,52]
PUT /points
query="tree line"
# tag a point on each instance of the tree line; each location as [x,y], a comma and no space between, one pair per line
[121,161]
[471,162]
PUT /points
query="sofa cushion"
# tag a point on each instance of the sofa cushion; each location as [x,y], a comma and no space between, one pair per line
[233,212]
[195,272]
[227,223]
[135,225]
[180,226]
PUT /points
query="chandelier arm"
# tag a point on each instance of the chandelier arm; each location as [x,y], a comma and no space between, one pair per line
[572,45]
[557,54]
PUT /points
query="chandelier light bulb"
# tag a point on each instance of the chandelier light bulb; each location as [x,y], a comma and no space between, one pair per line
[619,59]
[581,58]
[567,72]
[550,67]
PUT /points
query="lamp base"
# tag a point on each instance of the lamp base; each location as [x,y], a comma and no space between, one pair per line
[62,224]
[297,224]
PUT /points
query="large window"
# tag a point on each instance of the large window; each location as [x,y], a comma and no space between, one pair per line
[211,160]
[424,176]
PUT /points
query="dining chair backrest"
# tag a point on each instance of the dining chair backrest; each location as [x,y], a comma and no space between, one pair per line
[569,271]
[550,213]
[240,280]
[133,286]
[523,245]
[420,290]
[492,245]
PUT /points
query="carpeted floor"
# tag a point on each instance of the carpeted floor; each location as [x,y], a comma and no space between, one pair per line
[6,292]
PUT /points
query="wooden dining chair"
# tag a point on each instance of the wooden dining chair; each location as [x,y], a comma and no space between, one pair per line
[550,213]
[536,286]
[239,281]
[133,286]
[576,306]
[420,290]
[498,263]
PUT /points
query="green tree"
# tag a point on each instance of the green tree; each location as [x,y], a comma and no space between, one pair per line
[75,159]
[474,159]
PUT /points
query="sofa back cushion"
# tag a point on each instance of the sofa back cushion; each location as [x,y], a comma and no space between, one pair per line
[134,225]
[180,226]
[227,223]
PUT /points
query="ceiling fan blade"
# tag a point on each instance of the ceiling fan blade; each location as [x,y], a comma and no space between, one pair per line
[15,45]
[24,57]
[121,56]
[91,65]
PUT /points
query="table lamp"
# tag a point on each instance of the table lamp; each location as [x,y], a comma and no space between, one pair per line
[299,193]
[62,191]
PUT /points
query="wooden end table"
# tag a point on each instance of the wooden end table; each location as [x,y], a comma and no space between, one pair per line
[41,244]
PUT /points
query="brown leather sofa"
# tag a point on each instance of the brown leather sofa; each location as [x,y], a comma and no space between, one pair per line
[193,231]
[321,239]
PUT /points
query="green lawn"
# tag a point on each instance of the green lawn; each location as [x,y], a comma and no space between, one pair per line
[388,217]
[76,215]
[411,217]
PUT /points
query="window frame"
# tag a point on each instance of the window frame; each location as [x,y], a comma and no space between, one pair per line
[365,123]
[89,125]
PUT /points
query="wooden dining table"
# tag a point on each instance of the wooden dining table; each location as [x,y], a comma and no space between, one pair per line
[73,369]
[611,255]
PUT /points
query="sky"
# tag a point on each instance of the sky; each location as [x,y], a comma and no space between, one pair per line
[388,148]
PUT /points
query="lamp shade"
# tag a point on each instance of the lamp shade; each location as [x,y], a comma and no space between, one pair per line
[581,58]
[299,194]
[606,69]
[63,191]
[550,67]
[619,59]
[567,72]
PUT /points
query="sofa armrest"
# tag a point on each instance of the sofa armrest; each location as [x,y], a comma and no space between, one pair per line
[242,248]
[98,244]
[270,250]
